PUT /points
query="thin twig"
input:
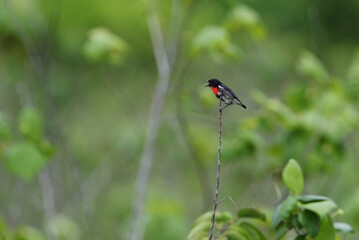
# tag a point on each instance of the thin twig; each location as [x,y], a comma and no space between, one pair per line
[228,197]
[215,200]
[164,74]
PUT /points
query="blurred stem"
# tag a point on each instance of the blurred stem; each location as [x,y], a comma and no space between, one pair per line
[48,200]
[46,187]
[164,73]
[215,200]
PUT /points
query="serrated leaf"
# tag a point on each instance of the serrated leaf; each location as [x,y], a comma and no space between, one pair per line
[321,208]
[343,227]
[284,210]
[31,124]
[327,231]
[312,198]
[293,177]
[250,213]
[310,221]
[24,160]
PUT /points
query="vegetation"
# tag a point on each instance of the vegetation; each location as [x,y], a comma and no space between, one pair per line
[299,216]
[82,83]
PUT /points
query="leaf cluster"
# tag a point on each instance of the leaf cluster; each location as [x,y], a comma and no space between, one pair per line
[310,216]
[218,40]
[305,216]
[25,156]
[243,226]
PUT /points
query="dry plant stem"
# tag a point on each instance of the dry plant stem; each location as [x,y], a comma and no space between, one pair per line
[164,73]
[215,200]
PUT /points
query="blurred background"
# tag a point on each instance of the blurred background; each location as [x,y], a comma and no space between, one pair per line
[96,96]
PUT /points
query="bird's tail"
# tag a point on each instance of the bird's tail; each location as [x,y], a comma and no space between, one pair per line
[240,104]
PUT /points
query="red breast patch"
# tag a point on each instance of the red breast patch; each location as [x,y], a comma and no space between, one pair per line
[215,90]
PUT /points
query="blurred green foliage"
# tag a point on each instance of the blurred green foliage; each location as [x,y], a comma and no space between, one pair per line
[310,215]
[103,45]
[294,64]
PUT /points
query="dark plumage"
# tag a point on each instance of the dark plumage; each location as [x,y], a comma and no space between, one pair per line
[224,93]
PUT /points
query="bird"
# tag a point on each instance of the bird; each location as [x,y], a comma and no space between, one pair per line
[224,93]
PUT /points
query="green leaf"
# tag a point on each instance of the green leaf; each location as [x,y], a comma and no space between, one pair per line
[321,208]
[310,66]
[254,230]
[280,230]
[64,228]
[279,110]
[210,37]
[251,213]
[293,177]
[312,198]
[244,17]
[199,231]
[223,217]
[47,148]
[205,217]
[301,237]
[295,222]
[29,233]
[343,227]
[24,160]
[105,45]
[216,41]
[310,221]
[284,210]
[239,232]
[327,231]
[31,123]
[234,235]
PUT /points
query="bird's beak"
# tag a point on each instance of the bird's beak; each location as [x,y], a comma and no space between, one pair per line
[207,84]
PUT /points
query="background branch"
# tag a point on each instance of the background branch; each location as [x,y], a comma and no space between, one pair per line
[215,200]
[164,73]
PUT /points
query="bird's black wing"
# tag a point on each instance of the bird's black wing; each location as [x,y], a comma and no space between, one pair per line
[233,94]
[230,91]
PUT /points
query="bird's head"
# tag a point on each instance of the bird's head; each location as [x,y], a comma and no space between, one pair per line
[213,82]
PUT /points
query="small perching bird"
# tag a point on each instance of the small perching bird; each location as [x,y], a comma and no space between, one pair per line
[224,93]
